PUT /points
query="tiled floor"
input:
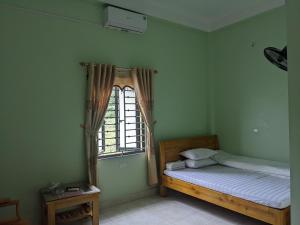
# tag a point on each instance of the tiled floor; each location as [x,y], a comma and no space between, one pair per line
[176,209]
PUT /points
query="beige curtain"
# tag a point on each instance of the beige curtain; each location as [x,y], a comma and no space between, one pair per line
[142,81]
[100,83]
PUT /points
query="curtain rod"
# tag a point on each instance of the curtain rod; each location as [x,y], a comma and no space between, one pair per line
[117,68]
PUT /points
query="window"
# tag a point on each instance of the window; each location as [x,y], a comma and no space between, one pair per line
[123,130]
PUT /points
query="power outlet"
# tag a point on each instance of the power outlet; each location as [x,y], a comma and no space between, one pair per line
[255,130]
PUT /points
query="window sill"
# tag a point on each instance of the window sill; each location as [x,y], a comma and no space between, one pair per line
[119,155]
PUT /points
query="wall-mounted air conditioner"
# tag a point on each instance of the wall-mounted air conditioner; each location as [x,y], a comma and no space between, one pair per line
[125,20]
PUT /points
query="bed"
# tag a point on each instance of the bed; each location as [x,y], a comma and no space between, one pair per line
[245,192]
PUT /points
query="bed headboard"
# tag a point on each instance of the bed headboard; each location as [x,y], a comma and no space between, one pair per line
[170,149]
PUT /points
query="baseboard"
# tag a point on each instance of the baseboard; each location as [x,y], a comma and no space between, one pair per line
[128,198]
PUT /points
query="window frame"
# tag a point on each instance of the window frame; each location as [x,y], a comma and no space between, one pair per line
[140,128]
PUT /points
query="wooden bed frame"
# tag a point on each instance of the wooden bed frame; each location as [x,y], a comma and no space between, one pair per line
[169,151]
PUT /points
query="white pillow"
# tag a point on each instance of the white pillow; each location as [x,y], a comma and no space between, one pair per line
[198,153]
[222,156]
[199,163]
[254,164]
[178,165]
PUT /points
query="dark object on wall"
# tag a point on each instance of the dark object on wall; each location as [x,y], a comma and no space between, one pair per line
[277,57]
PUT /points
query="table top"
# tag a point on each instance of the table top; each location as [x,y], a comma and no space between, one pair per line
[85,189]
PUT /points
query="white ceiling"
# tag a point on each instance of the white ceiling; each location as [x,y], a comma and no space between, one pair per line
[206,15]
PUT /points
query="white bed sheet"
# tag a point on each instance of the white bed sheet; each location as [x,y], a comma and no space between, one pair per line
[261,188]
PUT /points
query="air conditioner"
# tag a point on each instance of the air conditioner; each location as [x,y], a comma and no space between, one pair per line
[125,20]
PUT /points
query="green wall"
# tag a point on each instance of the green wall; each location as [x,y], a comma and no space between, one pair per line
[207,83]
[42,90]
[247,92]
[294,103]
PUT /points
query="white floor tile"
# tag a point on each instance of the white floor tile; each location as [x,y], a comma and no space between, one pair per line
[177,209]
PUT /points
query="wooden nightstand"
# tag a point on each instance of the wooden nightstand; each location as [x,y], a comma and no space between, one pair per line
[85,201]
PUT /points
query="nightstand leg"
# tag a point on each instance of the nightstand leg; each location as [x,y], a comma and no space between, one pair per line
[51,215]
[95,211]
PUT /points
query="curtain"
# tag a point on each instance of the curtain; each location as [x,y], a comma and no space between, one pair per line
[100,84]
[142,81]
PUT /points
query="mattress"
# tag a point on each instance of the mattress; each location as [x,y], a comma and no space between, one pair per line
[261,188]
